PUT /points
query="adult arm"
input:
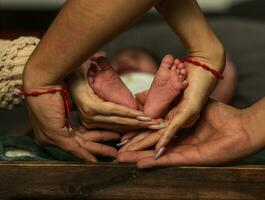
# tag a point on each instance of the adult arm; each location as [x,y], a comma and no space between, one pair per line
[188,22]
[80,29]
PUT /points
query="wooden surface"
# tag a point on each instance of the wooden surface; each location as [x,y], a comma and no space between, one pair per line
[29,180]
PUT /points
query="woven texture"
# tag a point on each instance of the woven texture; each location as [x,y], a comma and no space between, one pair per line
[13,57]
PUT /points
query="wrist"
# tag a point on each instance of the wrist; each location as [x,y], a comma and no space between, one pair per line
[33,79]
[212,53]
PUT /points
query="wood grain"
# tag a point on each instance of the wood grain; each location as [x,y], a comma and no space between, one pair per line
[58,180]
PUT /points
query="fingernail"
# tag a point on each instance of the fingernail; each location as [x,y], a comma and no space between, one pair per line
[159,153]
[157,127]
[122,143]
[144,118]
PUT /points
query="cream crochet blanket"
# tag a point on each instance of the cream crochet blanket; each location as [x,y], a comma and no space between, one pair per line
[13,57]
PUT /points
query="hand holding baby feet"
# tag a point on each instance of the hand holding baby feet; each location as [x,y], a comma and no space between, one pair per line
[95,112]
[107,84]
[167,85]
[187,111]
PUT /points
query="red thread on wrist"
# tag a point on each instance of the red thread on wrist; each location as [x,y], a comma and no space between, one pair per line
[219,75]
[64,92]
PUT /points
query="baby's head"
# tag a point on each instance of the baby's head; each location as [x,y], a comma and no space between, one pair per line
[135,59]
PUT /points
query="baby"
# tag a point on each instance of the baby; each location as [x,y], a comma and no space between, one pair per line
[168,83]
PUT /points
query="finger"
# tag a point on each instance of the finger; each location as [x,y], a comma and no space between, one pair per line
[126,138]
[129,135]
[100,135]
[124,121]
[141,97]
[188,155]
[74,147]
[134,156]
[109,108]
[96,148]
[136,139]
[147,142]
[109,126]
[177,122]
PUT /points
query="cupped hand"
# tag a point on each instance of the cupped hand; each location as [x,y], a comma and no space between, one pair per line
[47,116]
[187,111]
[218,137]
[94,112]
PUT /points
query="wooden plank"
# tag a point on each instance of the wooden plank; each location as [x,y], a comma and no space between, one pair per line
[58,180]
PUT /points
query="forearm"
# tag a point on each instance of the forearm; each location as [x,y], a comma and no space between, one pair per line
[186,19]
[80,29]
[253,122]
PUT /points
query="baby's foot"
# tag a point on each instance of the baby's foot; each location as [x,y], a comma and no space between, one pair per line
[107,84]
[168,83]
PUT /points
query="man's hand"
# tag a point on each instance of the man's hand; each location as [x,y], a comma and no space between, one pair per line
[219,137]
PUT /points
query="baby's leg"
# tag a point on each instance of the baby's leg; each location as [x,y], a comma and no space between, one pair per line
[107,84]
[167,85]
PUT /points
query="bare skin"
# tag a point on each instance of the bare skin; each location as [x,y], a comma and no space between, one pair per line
[107,84]
[223,134]
[168,83]
[77,32]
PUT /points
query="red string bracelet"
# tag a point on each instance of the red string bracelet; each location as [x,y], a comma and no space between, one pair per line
[64,92]
[204,66]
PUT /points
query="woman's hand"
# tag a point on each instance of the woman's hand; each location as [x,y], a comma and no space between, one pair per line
[47,116]
[222,134]
[94,112]
[187,111]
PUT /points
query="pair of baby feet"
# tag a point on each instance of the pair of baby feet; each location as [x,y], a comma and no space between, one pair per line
[169,81]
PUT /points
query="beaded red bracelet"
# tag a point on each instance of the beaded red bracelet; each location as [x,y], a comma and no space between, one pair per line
[64,92]
[204,66]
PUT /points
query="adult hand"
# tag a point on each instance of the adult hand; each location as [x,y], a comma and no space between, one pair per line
[187,111]
[94,112]
[47,116]
[219,137]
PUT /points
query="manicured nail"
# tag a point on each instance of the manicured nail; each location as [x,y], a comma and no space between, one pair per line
[144,118]
[157,127]
[159,153]
[122,143]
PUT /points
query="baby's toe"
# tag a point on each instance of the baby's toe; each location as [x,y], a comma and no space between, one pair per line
[183,74]
[167,62]
[180,66]
[184,84]
[176,62]
[103,63]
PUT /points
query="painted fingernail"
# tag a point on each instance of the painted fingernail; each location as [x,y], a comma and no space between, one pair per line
[144,118]
[159,153]
[122,143]
[157,127]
